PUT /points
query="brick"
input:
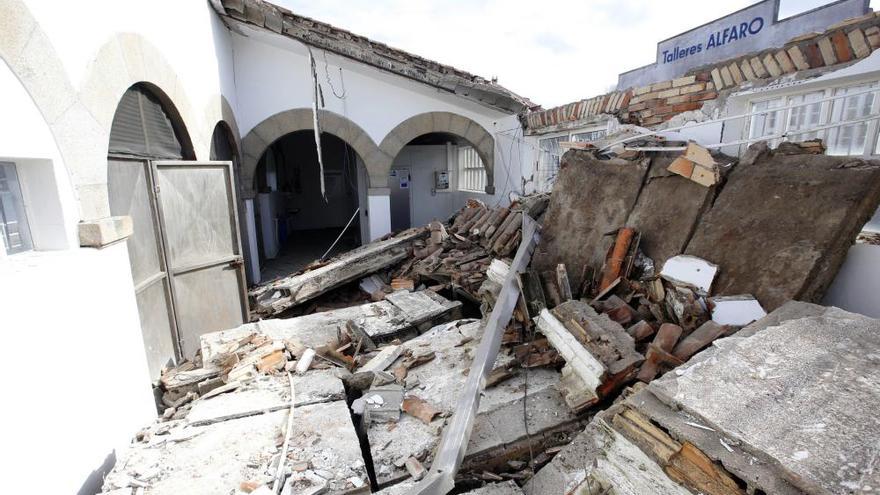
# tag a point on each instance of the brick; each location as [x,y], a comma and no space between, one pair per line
[826,48]
[693,88]
[683,81]
[758,68]
[681,166]
[653,103]
[687,107]
[626,99]
[644,114]
[709,95]
[814,56]
[797,58]
[660,86]
[669,92]
[736,74]
[771,65]
[841,47]
[716,77]
[859,43]
[652,121]
[678,99]
[873,35]
[663,109]
[710,86]
[703,77]
[747,70]
[784,62]
[642,90]
[726,77]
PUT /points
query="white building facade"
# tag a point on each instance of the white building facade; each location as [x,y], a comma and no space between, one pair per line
[75,261]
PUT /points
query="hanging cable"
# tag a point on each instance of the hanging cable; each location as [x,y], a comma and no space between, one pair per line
[353,215]
[316,94]
[342,81]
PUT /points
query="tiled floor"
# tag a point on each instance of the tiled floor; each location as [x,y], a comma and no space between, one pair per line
[305,246]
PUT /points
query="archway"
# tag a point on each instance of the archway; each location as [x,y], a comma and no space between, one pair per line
[295,224]
[145,128]
[440,158]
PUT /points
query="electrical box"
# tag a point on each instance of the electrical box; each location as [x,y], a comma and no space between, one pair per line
[441,179]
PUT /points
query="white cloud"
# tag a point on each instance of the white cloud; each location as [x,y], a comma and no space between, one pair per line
[552,51]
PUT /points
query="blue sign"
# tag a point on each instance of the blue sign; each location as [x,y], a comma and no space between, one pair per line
[716,39]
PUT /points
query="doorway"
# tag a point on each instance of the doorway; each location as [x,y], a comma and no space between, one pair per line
[185,252]
[296,224]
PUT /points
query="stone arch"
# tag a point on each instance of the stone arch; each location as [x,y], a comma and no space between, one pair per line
[219,110]
[80,119]
[299,119]
[426,123]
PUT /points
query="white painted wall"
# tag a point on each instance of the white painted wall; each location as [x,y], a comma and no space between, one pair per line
[189,34]
[426,204]
[81,386]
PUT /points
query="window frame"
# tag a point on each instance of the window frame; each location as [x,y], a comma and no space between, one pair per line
[826,112]
[25,230]
[476,186]
[548,172]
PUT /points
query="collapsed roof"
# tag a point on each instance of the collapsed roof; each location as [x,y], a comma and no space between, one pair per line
[362,49]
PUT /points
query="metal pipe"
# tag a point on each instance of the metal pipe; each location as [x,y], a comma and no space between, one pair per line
[441,478]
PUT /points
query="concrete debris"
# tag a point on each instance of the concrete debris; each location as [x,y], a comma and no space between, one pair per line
[690,271]
[636,361]
[278,296]
[741,417]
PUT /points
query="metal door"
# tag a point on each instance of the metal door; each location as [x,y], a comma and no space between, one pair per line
[130,185]
[399,184]
[197,211]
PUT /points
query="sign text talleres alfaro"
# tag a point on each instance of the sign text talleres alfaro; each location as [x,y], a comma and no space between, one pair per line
[716,39]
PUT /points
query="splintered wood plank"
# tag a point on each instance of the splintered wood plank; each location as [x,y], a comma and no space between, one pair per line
[651,439]
[692,468]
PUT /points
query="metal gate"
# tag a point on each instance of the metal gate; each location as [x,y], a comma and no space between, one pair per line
[185,252]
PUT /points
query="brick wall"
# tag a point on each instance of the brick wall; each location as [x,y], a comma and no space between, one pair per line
[654,104]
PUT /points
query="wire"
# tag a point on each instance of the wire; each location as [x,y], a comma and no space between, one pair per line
[327,73]
[353,215]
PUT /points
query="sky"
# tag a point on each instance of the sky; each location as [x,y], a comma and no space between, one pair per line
[551,51]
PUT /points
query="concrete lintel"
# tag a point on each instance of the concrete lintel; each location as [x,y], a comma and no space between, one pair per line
[104,231]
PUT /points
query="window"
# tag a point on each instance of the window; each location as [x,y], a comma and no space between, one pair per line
[850,139]
[767,124]
[811,112]
[14,228]
[588,136]
[805,117]
[550,150]
[471,173]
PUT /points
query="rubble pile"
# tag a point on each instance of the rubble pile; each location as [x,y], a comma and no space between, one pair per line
[718,424]
[638,358]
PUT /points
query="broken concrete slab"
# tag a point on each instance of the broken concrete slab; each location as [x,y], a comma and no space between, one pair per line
[401,314]
[782,224]
[205,460]
[668,209]
[800,394]
[324,438]
[600,459]
[590,198]
[498,424]
[501,488]
[758,474]
[277,296]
